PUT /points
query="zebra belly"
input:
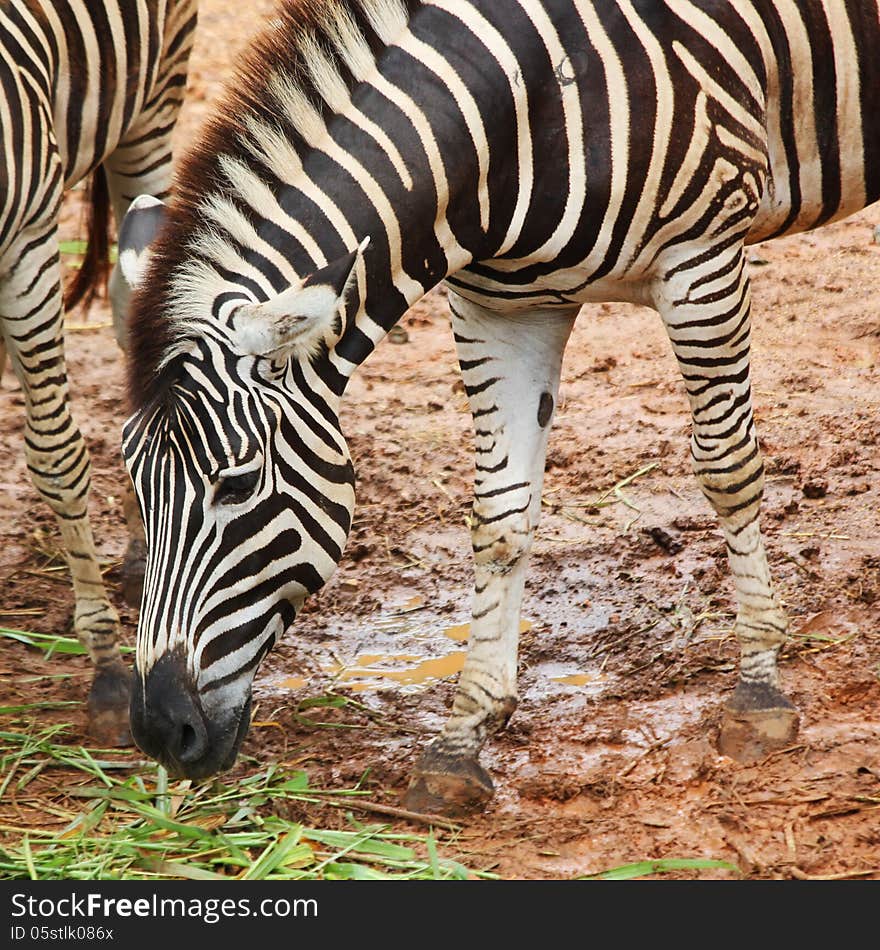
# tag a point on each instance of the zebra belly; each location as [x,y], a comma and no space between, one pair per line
[789,207]
[562,288]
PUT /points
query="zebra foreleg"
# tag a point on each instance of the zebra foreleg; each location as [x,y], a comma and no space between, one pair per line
[510,366]
[58,461]
[707,317]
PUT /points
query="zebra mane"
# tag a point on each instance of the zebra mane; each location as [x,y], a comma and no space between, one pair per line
[295,74]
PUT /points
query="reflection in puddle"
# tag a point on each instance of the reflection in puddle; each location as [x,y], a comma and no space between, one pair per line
[368,659]
[462,631]
[579,679]
[366,673]
[293,682]
[406,625]
[380,670]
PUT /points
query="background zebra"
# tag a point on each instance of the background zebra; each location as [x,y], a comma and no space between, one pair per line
[537,156]
[86,88]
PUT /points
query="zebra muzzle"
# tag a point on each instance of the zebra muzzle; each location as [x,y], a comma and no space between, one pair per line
[169,724]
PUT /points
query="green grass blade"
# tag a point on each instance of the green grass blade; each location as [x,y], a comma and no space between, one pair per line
[50,643]
[627,872]
[174,869]
[30,707]
[284,850]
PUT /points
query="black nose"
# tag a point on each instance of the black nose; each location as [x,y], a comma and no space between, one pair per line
[166,718]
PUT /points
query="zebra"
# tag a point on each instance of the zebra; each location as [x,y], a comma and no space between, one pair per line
[533,156]
[90,93]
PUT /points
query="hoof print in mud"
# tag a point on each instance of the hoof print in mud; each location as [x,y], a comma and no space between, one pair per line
[755,722]
[448,785]
[108,707]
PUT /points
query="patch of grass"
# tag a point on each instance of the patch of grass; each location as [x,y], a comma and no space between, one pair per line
[327,702]
[31,707]
[820,641]
[638,869]
[51,643]
[123,819]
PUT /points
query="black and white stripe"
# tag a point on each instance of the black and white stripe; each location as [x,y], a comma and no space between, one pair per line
[85,89]
[536,156]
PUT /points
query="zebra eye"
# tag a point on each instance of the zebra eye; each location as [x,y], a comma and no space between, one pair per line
[236,489]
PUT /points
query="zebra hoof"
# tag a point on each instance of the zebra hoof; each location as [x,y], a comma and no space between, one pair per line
[448,785]
[108,706]
[756,721]
[132,573]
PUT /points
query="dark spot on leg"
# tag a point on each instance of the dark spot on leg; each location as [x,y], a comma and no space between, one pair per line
[545,409]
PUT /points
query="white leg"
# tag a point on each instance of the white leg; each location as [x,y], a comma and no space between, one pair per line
[510,366]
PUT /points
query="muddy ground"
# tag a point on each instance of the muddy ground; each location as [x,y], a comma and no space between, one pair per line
[627,646]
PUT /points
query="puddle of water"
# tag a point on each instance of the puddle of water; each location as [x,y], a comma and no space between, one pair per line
[363,674]
[579,679]
[462,631]
[378,670]
[414,603]
[293,682]
[407,647]
[363,660]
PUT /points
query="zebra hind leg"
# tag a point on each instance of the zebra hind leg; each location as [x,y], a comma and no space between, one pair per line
[510,366]
[707,316]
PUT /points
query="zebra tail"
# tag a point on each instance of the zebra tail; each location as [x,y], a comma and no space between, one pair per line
[91,278]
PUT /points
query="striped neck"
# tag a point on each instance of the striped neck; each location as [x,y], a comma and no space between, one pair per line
[339,126]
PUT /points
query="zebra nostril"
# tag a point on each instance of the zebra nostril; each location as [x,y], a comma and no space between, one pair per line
[167,719]
[191,742]
[187,739]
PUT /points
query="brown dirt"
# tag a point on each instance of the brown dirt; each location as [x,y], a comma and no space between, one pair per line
[631,600]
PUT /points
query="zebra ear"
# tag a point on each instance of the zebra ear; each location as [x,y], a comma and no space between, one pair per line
[300,316]
[139,228]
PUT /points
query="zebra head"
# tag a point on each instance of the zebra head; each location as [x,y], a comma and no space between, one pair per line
[246,489]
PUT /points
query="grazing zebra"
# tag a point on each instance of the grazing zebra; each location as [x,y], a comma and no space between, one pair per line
[86,89]
[536,155]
